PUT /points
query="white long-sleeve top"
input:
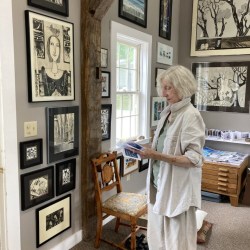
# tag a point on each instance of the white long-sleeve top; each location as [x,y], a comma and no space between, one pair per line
[178,188]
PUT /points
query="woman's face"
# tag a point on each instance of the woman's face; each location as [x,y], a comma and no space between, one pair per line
[169,92]
[54,48]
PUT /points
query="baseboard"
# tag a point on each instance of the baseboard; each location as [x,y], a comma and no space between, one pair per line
[69,242]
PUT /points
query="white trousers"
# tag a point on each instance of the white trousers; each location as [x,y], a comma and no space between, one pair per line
[176,233]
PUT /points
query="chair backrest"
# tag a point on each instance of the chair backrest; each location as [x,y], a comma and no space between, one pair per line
[105,174]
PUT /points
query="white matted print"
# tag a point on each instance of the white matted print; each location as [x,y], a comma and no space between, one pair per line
[50,47]
[164,54]
[129,165]
[158,105]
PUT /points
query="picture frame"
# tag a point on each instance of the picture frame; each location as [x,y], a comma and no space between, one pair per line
[143,164]
[222,86]
[158,105]
[62,132]
[53,219]
[119,161]
[37,187]
[31,153]
[134,11]
[157,72]
[165,20]
[106,112]
[218,28]
[105,84]
[104,58]
[59,7]
[164,54]
[65,176]
[128,166]
[50,75]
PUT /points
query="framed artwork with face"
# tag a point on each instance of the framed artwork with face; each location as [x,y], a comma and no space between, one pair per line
[50,58]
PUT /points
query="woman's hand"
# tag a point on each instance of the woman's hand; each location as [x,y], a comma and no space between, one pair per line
[146,153]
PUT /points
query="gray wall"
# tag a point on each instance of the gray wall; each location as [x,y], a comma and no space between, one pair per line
[219,120]
[137,180]
[36,112]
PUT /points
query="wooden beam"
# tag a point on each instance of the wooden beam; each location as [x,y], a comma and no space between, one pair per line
[98,8]
[92,12]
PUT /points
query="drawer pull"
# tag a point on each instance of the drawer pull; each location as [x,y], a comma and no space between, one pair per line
[222,179]
[223,169]
[223,174]
[222,184]
[222,189]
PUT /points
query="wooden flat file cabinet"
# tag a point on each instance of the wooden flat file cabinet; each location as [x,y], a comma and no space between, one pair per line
[226,179]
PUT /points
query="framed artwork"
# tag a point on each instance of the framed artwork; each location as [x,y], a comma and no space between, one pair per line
[157,72]
[104,58]
[128,166]
[143,164]
[134,11]
[222,86]
[164,54]
[220,28]
[65,176]
[105,84]
[158,105]
[165,19]
[50,58]
[62,132]
[60,7]
[106,111]
[53,219]
[37,187]
[31,153]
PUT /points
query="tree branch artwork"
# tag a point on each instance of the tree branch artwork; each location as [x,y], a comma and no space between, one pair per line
[221,27]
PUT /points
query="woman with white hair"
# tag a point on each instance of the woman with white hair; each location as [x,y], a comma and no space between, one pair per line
[174,174]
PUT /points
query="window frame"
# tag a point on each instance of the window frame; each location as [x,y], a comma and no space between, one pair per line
[130,35]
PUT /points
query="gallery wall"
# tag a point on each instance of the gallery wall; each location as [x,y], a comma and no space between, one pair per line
[136,180]
[36,112]
[213,119]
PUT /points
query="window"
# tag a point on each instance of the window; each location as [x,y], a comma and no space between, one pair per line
[130,83]
[127,91]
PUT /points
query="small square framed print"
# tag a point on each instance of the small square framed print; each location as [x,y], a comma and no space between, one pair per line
[65,176]
[128,166]
[31,153]
[37,187]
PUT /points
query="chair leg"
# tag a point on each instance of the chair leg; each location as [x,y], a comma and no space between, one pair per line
[117,224]
[133,236]
[98,232]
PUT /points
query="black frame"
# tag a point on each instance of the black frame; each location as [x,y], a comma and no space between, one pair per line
[165,20]
[104,58]
[70,177]
[30,181]
[43,84]
[217,86]
[143,164]
[106,112]
[52,7]
[156,74]
[31,149]
[67,144]
[46,216]
[132,18]
[106,93]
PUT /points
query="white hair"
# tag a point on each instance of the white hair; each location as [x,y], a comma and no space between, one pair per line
[181,78]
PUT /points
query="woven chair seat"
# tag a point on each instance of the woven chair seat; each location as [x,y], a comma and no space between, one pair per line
[126,203]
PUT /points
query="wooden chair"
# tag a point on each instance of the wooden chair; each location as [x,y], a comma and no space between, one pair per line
[124,206]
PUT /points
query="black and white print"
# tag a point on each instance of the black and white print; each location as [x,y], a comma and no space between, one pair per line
[39,187]
[54,219]
[106,121]
[31,153]
[220,27]
[50,58]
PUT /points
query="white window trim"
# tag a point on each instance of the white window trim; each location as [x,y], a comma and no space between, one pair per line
[135,36]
